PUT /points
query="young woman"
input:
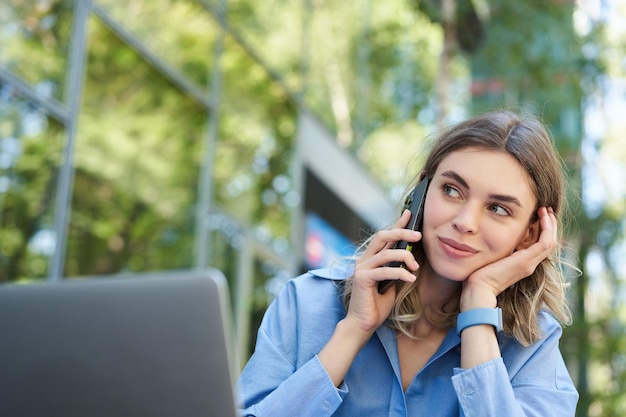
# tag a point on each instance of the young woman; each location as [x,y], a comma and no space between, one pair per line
[470,328]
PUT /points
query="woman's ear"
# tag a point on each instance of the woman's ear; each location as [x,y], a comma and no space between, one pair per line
[530,236]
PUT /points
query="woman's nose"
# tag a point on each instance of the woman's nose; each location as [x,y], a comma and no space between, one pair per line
[466,219]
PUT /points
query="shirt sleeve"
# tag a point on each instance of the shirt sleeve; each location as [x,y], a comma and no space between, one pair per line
[271,383]
[535,384]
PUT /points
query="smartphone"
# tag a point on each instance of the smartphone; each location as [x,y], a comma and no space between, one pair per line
[415,203]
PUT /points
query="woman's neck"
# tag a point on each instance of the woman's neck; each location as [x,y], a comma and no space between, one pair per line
[436,293]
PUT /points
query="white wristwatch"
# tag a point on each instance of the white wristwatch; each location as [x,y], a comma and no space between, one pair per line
[478,316]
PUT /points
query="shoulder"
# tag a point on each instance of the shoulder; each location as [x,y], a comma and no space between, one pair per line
[541,363]
[338,272]
[305,312]
[551,331]
[517,355]
[549,325]
[323,279]
[314,290]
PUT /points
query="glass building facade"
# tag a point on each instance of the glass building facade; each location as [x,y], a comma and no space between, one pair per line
[156,135]
[169,135]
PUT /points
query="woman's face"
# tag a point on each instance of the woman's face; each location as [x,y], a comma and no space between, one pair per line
[477,211]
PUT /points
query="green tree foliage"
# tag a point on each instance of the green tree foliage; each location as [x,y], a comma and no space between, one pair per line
[137,158]
[35,41]
[254,154]
[178,31]
[30,151]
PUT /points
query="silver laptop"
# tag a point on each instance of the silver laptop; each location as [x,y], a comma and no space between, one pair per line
[151,345]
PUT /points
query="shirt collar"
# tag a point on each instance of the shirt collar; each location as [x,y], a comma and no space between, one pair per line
[337,272]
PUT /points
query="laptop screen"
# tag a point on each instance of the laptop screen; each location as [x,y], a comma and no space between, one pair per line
[149,345]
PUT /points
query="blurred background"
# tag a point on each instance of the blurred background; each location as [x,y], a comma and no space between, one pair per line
[269,137]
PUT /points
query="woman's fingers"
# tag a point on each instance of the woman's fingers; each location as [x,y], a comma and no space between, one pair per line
[386,239]
[384,273]
[387,256]
[380,261]
[548,236]
[390,258]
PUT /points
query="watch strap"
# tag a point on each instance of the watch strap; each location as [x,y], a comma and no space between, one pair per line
[478,316]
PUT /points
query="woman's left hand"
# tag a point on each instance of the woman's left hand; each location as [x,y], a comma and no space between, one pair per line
[484,285]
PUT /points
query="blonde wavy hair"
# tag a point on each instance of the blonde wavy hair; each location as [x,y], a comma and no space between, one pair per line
[524,137]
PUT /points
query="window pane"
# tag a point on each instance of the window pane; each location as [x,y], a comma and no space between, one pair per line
[35,35]
[179,31]
[138,153]
[30,150]
[274,29]
[257,128]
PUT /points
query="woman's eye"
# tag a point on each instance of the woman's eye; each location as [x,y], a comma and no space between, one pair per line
[450,191]
[499,210]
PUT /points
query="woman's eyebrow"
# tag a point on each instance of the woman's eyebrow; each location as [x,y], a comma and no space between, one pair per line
[500,197]
[453,175]
[506,199]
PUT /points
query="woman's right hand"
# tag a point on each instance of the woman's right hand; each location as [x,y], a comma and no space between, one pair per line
[368,308]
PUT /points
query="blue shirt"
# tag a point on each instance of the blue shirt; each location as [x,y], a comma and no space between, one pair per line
[284,377]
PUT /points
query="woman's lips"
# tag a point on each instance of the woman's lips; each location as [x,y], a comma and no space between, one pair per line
[455,249]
